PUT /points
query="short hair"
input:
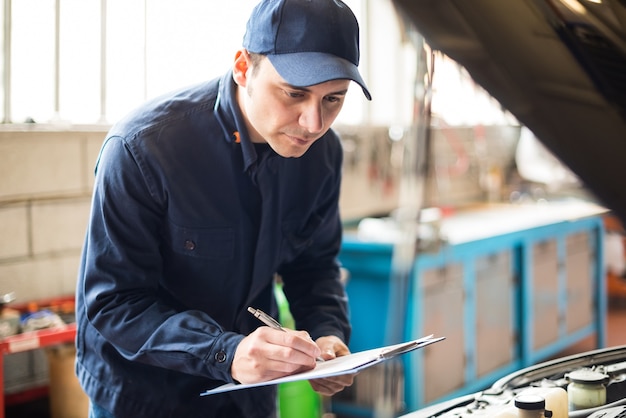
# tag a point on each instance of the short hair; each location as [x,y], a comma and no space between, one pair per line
[256,60]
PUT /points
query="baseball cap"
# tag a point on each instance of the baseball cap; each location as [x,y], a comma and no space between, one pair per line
[307,41]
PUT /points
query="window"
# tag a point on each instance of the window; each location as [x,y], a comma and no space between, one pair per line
[114,54]
[149,48]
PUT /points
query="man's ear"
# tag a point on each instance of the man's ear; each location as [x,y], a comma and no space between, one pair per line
[240,67]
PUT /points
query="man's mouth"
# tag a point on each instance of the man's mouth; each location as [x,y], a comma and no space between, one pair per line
[300,140]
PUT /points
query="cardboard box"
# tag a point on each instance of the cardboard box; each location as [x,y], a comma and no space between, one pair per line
[67,399]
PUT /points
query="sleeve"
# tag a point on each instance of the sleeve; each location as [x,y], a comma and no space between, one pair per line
[313,283]
[122,270]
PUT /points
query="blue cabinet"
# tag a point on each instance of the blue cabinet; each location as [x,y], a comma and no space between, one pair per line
[511,287]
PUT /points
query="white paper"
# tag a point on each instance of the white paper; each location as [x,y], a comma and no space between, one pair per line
[351,363]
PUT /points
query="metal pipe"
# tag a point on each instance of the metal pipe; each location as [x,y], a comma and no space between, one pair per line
[412,195]
[411,200]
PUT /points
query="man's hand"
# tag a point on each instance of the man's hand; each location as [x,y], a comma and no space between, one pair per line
[268,354]
[332,347]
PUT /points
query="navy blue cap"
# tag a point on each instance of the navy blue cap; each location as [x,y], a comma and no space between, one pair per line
[307,41]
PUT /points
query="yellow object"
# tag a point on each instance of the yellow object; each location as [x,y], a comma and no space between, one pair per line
[530,406]
[505,411]
[67,399]
[556,399]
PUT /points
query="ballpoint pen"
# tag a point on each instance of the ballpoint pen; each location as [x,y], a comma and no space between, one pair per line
[271,322]
[266,319]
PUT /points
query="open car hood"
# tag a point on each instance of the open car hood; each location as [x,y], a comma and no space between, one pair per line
[550,374]
[558,65]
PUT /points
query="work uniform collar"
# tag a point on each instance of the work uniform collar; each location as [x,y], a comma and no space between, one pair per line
[231,119]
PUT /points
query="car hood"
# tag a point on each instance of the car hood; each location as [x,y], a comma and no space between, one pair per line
[550,374]
[558,65]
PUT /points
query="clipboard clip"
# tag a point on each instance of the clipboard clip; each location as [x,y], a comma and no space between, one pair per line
[410,346]
[392,352]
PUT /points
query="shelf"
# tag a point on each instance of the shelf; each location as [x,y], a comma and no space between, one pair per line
[33,340]
[38,339]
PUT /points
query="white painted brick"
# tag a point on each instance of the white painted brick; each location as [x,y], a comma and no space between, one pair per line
[13,231]
[34,164]
[40,278]
[68,273]
[59,226]
[94,143]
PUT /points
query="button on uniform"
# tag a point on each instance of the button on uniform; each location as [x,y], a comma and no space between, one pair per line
[190,245]
[220,356]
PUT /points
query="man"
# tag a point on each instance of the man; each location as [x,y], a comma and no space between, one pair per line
[200,199]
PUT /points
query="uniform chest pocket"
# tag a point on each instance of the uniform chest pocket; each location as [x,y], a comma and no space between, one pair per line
[214,243]
[299,235]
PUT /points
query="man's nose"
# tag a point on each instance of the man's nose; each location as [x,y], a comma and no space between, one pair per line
[312,118]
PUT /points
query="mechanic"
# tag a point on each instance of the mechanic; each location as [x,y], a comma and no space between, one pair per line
[201,199]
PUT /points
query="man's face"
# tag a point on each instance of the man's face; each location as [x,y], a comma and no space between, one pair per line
[290,119]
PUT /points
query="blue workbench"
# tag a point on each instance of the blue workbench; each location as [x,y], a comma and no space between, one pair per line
[511,285]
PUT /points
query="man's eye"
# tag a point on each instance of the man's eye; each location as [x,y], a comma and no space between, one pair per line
[333,99]
[294,94]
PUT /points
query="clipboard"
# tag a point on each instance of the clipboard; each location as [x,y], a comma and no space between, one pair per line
[352,363]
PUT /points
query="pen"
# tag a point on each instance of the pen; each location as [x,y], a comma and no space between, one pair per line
[271,322]
[266,319]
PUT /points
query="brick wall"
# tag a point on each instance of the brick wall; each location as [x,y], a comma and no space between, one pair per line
[46,178]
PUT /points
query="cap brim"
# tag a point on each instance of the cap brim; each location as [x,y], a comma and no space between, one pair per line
[303,69]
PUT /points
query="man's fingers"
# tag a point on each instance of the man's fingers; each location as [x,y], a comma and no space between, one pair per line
[268,353]
[330,386]
[295,344]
